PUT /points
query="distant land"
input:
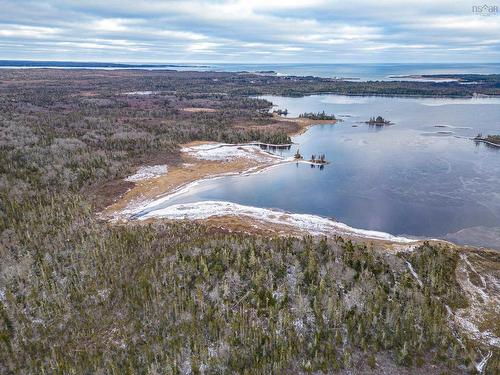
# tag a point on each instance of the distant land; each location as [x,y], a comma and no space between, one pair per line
[87,64]
[343,71]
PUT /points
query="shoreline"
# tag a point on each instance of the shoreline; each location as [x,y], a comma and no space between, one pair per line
[303,123]
[409,96]
[252,219]
[200,162]
[198,166]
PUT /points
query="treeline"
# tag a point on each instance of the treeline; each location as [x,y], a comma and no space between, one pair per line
[277,138]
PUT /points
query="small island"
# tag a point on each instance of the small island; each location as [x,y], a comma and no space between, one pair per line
[319,159]
[378,121]
[314,160]
[492,140]
[317,116]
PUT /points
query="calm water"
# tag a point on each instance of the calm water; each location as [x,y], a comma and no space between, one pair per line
[405,179]
[358,71]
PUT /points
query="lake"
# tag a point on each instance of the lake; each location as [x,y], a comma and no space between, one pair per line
[415,178]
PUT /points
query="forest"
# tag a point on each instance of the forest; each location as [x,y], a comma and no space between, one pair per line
[81,295]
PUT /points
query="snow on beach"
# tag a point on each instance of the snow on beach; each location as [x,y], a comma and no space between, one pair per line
[213,152]
[315,225]
[148,172]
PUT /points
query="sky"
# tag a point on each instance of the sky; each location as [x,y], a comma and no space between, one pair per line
[250,31]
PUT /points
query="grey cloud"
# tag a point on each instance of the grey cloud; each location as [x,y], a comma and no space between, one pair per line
[247,31]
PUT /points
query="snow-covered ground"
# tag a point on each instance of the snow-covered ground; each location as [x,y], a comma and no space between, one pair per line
[315,225]
[145,93]
[148,172]
[480,298]
[482,363]
[229,152]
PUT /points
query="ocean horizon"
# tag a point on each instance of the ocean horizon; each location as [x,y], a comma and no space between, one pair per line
[349,71]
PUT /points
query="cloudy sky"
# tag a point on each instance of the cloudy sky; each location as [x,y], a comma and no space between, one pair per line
[274,31]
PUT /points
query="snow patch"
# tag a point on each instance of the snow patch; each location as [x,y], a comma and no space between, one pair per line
[471,286]
[481,364]
[486,337]
[414,274]
[470,318]
[148,172]
[143,93]
[228,152]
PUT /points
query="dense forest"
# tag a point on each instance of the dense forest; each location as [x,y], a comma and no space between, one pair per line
[81,295]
